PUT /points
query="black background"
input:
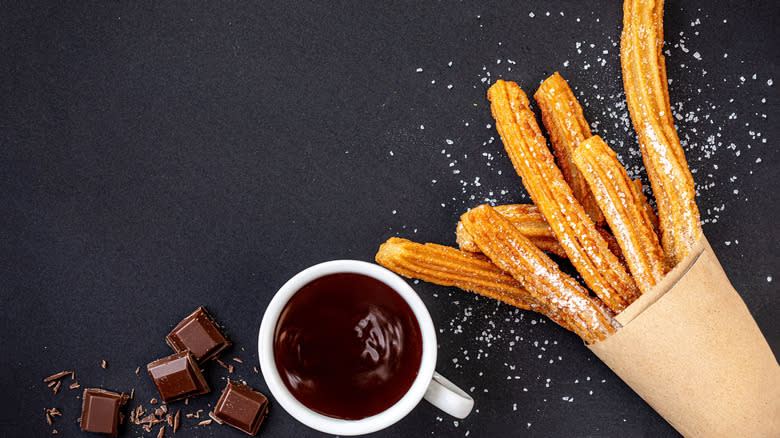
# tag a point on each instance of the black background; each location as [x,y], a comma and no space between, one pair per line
[157,157]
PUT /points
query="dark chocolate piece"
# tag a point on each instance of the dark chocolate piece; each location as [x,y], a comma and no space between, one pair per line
[200,334]
[100,411]
[177,376]
[241,407]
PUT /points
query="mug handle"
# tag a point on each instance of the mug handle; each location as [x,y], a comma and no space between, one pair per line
[449,398]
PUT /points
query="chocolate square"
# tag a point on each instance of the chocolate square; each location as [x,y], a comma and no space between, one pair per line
[177,376]
[242,407]
[199,334]
[100,411]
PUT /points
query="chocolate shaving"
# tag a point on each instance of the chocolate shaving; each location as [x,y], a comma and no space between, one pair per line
[151,419]
[48,419]
[137,370]
[57,386]
[221,363]
[159,412]
[132,393]
[204,423]
[238,360]
[169,420]
[161,433]
[136,414]
[153,401]
[103,364]
[176,421]
[54,432]
[74,385]
[256,370]
[59,375]
[230,369]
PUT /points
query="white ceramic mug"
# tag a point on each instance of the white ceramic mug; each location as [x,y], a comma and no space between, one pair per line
[428,384]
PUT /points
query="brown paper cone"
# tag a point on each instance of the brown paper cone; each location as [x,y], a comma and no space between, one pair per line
[692,351]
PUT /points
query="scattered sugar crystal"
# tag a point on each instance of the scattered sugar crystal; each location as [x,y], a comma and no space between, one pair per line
[419,69]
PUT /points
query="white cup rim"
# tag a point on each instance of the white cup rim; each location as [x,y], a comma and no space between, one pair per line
[322,422]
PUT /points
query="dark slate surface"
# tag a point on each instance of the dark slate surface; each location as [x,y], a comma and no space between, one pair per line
[154,158]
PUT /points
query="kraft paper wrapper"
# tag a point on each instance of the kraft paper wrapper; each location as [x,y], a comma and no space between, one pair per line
[692,351]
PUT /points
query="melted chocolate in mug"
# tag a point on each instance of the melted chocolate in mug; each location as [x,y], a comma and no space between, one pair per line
[347,346]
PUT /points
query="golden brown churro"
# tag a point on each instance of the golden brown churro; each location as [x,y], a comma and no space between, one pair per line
[531,223]
[448,266]
[623,208]
[601,270]
[528,220]
[541,277]
[647,94]
[639,189]
[567,127]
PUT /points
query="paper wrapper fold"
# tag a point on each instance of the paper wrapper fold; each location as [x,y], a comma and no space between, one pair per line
[692,351]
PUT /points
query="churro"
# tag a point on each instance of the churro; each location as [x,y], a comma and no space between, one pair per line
[601,270]
[639,189]
[531,222]
[624,210]
[647,95]
[528,220]
[448,266]
[567,127]
[539,275]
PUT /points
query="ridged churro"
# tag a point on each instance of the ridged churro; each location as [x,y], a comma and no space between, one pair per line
[567,127]
[647,94]
[448,266]
[624,209]
[531,223]
[601,270]
[539,275]
[639,189]
[528,220]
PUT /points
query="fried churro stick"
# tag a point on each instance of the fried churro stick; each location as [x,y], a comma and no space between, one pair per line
[647,94]
[448,266]
[567,127]
[528,220]
[541,277]
[624,209]
[640,193]
[531,223]
[601,270]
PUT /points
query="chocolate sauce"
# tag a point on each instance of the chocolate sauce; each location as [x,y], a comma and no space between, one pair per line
[347,346]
